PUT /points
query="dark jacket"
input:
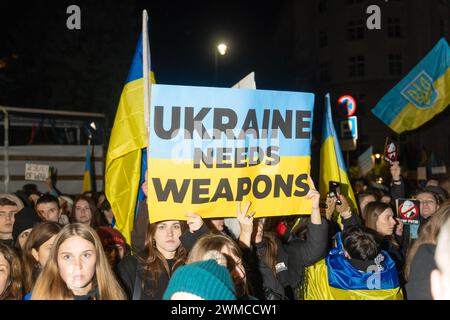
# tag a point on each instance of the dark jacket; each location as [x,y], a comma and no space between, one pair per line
[334,228]
[398,190]
[139,231]
[92,295]
[127,270]
[354,220]
[396,253]
[423,263]
[131,268]
[303,253]
[274,285]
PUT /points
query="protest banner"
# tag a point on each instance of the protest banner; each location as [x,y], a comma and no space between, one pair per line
[36,172]
[366,161]
[408,210]
[421,173]
[391,151]
[211,147]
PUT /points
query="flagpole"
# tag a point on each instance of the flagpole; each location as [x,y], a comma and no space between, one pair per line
[336,140]
[146,73]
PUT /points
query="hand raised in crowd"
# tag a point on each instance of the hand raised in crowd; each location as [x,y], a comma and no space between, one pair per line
[399,228]
[194,222]
[314,195]
[246,223]
[49,183]
[344,208]
[395,171]
[145,184]
[331,206]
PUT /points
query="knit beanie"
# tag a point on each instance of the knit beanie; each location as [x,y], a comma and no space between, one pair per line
[24,219]
[206,279]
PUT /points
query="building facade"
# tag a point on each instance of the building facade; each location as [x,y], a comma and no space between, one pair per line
[337,53]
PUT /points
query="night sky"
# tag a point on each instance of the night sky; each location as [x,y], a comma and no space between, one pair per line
[49,66]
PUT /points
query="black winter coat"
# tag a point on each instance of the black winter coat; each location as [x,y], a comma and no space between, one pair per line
[131,268]
[423,263]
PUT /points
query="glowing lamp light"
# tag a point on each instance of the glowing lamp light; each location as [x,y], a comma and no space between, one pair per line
[222,48]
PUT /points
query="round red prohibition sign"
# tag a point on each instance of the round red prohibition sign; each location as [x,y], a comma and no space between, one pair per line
[408,210]
[347,106]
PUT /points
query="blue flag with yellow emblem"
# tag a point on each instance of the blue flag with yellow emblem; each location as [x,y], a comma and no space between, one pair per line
[421,95]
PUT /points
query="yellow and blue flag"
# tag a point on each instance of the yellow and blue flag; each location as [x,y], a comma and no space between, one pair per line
[421,95]
[126,160]
[332,165]
[335,278]
[87,178]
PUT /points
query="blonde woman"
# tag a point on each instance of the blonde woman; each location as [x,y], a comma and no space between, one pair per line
[77,269]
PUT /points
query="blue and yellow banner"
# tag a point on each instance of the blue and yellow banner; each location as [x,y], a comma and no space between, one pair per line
[212,147]
[421,95]
[332,165]
[124,169]
[335,278]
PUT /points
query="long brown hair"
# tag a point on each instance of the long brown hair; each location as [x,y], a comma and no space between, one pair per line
[270,250]
[428,234]
[96,220]
[38,236]
[13,290]
[154,262]
[372,211]
[50,285]
[269,253]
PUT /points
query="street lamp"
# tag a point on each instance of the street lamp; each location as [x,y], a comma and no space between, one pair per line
[222,50]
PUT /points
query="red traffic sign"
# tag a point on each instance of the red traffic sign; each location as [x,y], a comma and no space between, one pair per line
[347,106]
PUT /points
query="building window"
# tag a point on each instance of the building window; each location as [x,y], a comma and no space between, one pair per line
[395,64]
[323,39]
[325,72]
[356,30]
[357,66]
[323,6]
[394,28]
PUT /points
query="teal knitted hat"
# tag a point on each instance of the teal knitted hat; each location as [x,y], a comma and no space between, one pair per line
[206,279]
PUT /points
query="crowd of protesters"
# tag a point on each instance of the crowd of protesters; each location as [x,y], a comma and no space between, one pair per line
[55,247]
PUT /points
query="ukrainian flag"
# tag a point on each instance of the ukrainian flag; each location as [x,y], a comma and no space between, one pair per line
[126,157]
[421,95]
[335,278]
[87,179]
[332,165]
